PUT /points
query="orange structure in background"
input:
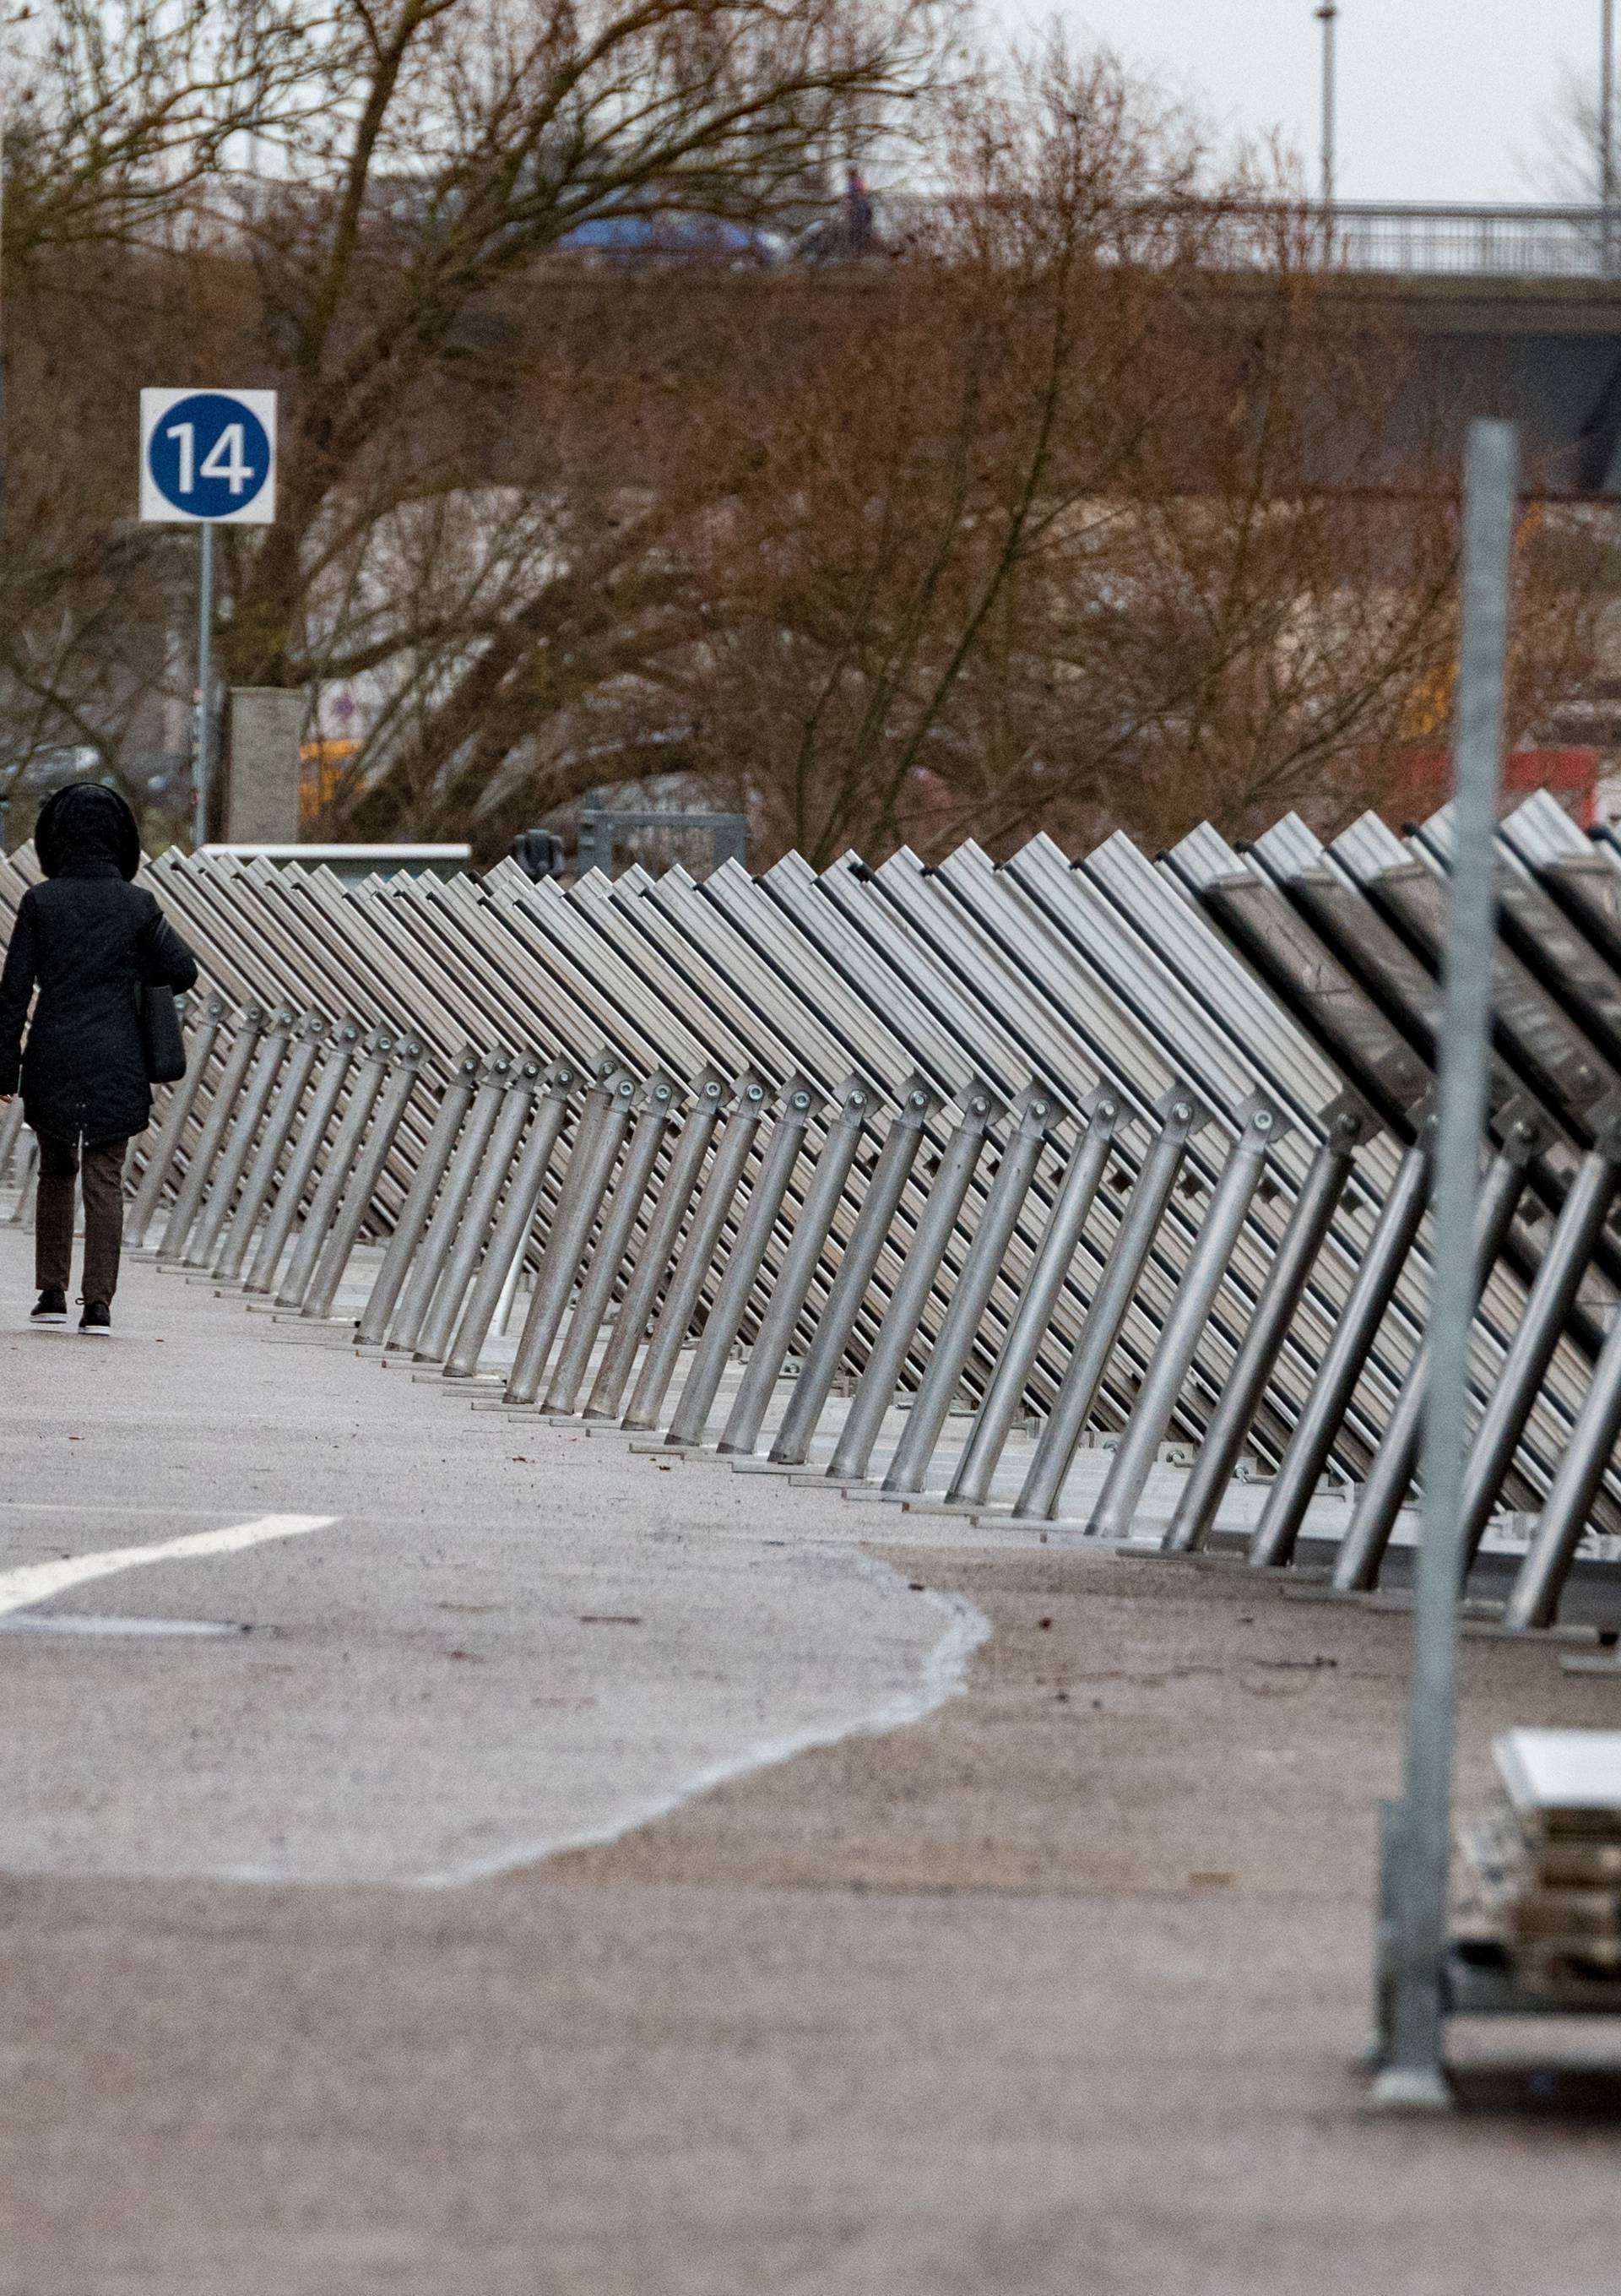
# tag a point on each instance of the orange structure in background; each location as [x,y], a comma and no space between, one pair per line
[324,765]
[1420,782]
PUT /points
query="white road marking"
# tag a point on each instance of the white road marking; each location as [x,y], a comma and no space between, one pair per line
[101,1506]
[25,1622]
[36,1582]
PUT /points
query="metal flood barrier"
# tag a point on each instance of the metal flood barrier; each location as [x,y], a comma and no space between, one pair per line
[994,1186]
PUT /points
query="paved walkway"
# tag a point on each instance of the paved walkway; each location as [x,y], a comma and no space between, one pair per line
[438,1644]
[1053,1989]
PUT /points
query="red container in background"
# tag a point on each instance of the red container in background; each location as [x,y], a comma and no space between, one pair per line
[1422,782]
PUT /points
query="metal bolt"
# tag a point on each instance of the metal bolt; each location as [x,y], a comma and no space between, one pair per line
[1262,1119]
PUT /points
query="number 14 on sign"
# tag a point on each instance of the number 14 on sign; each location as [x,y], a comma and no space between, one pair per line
[208,457]
[225,458]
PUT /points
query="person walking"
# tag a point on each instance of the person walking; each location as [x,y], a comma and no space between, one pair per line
[90,940]
[858,232]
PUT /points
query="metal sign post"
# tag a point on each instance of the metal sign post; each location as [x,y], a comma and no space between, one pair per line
[207,458]
[1417,1837]
[203,739]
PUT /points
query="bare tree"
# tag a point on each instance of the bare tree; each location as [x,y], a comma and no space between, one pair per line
[116,116]
[1087,508]
[408,163]
[1570,167]
[117,112]
[463,139]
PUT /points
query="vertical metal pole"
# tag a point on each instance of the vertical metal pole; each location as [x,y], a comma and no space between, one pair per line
[11,1125]
[1181,1114]
[1329,1398]
[505,1256]
[143,1211]
[1553,1294]
[1607,127]
[250,1023]
[339,1163]
[801,1103]
[975,1469]
[204,687]
[1118,1502]
[297,1071]
[947,1359]
[508,1300]
[803,1258]
[1412,2075]
[306,1156]
[675,1200]
[368,1167]
[1263,1341]
[837,1321]
[654,1108]
[1534,1598]
[478,1217]
[28,1187]
[415,1212]
[1390,1470]
[1328,16]
[715,1207]
[875,1389]
[462,1170]
[204,1239]
[597,1140]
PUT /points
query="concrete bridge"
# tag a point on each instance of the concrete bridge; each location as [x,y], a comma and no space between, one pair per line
[1511,311]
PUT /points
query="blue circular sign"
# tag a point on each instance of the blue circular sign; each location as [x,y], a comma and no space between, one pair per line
[208,455]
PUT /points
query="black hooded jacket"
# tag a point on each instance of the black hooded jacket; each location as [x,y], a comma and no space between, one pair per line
[89,940]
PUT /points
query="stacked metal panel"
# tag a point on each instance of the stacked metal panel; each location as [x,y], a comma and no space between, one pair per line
[979,1181]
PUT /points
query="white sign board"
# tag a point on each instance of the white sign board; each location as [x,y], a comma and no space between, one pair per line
[209,456]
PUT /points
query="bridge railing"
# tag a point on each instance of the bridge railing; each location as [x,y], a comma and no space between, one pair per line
[1372,238]
[1475,242]
[1403,239]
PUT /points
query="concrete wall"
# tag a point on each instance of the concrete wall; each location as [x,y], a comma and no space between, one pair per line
[266,725]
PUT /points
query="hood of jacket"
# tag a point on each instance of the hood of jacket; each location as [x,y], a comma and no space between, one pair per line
[87,823]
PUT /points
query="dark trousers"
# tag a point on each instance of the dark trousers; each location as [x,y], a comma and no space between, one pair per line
[103,1186]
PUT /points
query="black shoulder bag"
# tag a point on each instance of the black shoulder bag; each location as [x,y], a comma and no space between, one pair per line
[162,1039]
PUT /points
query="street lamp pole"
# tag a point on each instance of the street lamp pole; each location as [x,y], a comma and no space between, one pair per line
[1328,16]
[3,407]
[1607,118]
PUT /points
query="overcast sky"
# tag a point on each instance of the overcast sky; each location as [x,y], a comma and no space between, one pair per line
[1439,99]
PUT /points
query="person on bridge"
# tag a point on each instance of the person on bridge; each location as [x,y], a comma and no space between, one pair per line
[90,940]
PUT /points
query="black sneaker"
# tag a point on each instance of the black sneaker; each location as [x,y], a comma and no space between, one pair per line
[97,1318]
[52,1307]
